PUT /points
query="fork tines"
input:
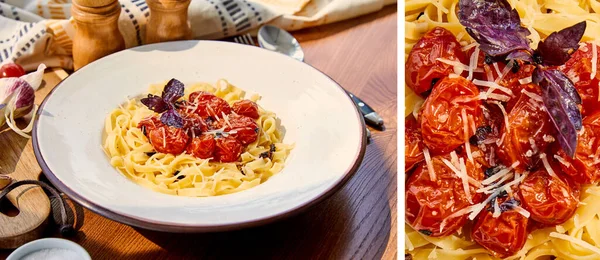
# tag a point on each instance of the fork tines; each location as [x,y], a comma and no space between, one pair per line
[244,39]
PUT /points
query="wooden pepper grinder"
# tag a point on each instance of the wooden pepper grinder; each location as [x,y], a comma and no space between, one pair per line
[168,21]
[97,32]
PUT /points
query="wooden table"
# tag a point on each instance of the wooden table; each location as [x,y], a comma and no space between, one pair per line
[358,222]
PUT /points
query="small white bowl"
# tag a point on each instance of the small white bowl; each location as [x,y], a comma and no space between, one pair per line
[48,243]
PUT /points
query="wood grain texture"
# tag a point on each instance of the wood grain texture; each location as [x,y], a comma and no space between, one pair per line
[168,21]
[358,222]
[18,162]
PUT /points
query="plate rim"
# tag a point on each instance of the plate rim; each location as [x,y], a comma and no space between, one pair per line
[193,228]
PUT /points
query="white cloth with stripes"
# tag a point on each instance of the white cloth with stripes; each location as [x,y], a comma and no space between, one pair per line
[41,31]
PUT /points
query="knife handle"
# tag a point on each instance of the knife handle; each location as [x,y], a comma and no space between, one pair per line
[371,117]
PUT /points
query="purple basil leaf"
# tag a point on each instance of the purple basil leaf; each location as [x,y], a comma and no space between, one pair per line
[520,55]
[561,107]
[155,103]
[556,49]
[558,79]
[495,25]
[173,91]
[172,118]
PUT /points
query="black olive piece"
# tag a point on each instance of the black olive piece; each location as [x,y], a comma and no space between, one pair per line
[273,149]
[264,155]
[425,232]
[150,154]
[408,257]
[144,130]
[503,194]
[433,81]
[489,172]
[480,134]
[537,58]
[256,130]
[516,67]
[548,11]
[488,59]
[421,14]
[180,177]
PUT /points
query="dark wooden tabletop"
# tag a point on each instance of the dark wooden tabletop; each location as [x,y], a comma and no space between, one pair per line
[357,222]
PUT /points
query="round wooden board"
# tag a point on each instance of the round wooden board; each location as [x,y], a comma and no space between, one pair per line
[17,161]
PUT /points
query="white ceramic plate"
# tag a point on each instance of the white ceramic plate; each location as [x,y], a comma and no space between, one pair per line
[317,115]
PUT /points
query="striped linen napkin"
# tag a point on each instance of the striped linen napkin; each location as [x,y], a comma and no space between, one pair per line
[41,31]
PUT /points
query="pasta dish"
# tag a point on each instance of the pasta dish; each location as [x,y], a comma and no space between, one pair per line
[502,129]
[197,140]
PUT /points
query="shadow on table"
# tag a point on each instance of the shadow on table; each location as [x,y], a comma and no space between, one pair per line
[316,233]
[324,31]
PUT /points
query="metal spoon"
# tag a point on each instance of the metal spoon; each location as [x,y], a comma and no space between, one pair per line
[276,39]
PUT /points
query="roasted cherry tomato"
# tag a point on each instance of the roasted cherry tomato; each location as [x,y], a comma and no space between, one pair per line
[150,123]
[422,66]
[168,139]
[550,200]
[441,116]
[413,144]
[502,236]
[584,168]
[428,203]
[530,132]
[579,69]
[243,128]
[227,149]
[193,123]
[202,147]
[209,105]
[246,108]
[10,70]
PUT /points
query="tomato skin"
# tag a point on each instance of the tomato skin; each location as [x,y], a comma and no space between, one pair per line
[209,105]
[150,123]
[583,168]
[503,236]
[227,149]
[202,147]
[10,70]
[441,119]
[168,139]
[193,122]
[579,69]
[429,202]
[526,121]
[246,128]
[413,144]
[422,66]
[550,200]
[246,108]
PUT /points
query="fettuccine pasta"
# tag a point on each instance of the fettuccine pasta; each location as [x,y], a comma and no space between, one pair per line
[185,175]
[579,237]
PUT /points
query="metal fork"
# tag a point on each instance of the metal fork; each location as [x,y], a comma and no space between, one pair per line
[247,40]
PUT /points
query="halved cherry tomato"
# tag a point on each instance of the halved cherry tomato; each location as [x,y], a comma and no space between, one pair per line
[428,203]
[202,147]
[246,108]
[579,69]
[209,105]
[243,128]
[422,66]
[584,168]
[502,236]
[150,123]
[441,115]
[550,200]
[10,70]
[530,132]
[227,149]
[168,139]
[192,122]
[413,144]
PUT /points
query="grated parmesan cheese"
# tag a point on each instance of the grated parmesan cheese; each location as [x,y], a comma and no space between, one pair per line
[508,66]
[547,166]
[469,46]
[466,132]
[500,174]
[497,210]
[533,96]
[526,80]
[522,211]
[457,65]
[473,62]
[417,108]
[429,164]
[492,85]
[562,160]
[506,123]
[464,176]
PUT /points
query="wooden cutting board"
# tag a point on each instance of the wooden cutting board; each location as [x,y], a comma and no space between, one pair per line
[17,161]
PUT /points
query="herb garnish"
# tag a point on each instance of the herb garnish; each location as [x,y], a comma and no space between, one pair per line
[496,26]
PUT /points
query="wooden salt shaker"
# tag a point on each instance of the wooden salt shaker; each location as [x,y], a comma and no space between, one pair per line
[97,32]
[168,21]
